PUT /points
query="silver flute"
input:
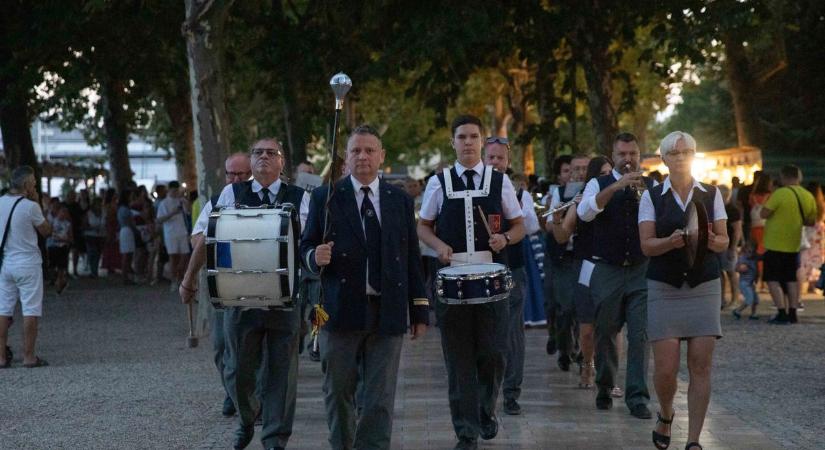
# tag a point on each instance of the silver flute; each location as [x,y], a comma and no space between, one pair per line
[559,208]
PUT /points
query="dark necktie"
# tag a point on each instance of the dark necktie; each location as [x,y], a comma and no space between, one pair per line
[372,232]
[471,184]
[265,200]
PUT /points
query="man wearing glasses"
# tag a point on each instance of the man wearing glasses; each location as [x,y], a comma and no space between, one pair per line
[473,336]
[497,156]
[257,337]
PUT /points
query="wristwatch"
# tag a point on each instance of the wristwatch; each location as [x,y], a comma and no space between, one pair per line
[507,237]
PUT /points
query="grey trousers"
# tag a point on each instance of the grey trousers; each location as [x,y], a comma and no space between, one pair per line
[620,296]
[253,338]
[514,362]
[564,276]
[474,342]
[369,361]
[219,345]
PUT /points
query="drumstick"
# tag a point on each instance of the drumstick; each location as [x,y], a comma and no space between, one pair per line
[484,219]
[191,341]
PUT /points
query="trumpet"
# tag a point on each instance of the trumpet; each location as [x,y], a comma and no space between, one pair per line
[559,208]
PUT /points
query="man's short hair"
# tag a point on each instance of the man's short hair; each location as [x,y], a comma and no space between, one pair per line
[560,161]
[625,137]
[791,172]
[365,129]
[173,184]
[581,155]
[466,119]
[20,175]
[267,138]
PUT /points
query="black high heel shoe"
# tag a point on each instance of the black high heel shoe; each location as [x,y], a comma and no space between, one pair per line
[662,441]
[693,444]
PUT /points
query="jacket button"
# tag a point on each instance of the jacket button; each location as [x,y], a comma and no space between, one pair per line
[343,280]
[344,255]
[399,284]
[397,258]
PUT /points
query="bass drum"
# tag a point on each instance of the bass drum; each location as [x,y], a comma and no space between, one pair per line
[252,256]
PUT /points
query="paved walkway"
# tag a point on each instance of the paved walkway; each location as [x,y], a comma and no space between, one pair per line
[122,377]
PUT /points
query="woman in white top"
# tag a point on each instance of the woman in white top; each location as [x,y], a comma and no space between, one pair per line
[95,234]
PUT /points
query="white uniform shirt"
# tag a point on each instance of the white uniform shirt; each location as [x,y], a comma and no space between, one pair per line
[648,214]
[174,226]
[434,196]
[227,198]
[531,220]
[21,243]
[588,209]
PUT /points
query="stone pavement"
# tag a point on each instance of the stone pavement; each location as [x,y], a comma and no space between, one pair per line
[122,377]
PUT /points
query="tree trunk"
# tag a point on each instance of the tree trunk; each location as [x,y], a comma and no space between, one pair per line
[178,106]
[204,33]
[741,86]
[592,47]
[17,138]
[297,131]
[548,112]
[116,130]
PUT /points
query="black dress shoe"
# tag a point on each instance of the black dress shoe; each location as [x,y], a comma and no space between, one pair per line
[511,407]
[551,346]
[466,444]
[228,407]
[489,427]
[564,363]
[243,436]
[604,400]
[640,411]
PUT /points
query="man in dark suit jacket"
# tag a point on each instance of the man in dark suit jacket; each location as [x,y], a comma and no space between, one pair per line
[371,283]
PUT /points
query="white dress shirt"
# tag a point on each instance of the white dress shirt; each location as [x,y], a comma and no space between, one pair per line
[227,198]
[434,195]
[531,220]
[648,214]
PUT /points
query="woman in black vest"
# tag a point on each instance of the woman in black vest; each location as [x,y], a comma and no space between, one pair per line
[683,302]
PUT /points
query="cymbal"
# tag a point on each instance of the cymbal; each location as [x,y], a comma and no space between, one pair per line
[696,233]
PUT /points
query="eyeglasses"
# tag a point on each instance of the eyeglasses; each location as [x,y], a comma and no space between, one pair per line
[684,153]
[271,152]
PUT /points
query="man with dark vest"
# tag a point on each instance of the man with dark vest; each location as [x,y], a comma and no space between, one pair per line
[561,172]
[497,156]
[236,170]
[474,336]
[372,286]
[255,336]
[618,285]
[563,270]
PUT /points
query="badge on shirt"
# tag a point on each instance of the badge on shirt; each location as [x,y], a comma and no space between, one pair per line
[495,222]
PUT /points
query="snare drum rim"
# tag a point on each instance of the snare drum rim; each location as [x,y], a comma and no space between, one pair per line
[475,300]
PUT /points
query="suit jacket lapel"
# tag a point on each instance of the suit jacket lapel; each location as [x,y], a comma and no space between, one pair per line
[348,207]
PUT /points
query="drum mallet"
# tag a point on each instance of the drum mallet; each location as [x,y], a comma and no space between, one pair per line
[192,340]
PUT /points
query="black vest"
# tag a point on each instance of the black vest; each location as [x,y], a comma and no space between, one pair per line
[616,229]
[515,253]
[555,251]
[583,242]
[449,225]
[287,193]
[672,267]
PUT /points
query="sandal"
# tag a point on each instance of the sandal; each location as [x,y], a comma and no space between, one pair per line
[37,363]
[693,444]
[662,441]
[588,375]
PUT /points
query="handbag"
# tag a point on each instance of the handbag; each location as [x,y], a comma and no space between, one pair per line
[6,231]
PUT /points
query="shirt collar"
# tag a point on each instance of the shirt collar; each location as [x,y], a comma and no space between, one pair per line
[356,185]
[459,169]
[696,184]
[616,174]
[273,188]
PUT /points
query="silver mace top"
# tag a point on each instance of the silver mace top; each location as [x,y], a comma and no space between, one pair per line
[340,84]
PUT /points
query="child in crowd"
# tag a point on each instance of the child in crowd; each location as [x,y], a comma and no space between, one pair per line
[746,266]
[58,245]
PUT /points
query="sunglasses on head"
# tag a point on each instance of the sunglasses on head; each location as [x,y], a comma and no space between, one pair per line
[497,140]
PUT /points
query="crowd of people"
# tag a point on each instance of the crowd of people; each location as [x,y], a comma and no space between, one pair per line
[607,261]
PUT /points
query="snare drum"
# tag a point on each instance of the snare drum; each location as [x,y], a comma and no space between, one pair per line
[252,256]
[471,284]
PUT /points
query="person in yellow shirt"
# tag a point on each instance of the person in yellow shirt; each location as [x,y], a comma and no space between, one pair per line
[786,212]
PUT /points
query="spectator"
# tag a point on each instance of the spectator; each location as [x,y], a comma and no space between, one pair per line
[78,244]
[305,167]
[143,227]
[94,232]
[746,267]
[58,245]
[171,213]
[743,203]
[813,243]
[727,259]
[759,195]
[787,210]
[127,236]
[21,275]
